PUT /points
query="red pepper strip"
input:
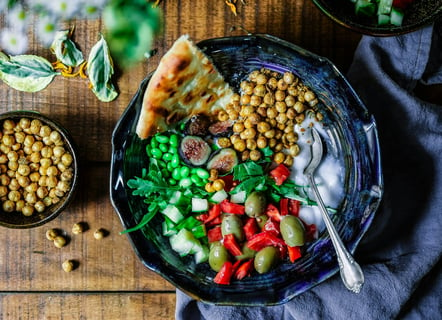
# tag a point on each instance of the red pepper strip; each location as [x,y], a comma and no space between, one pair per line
[293,207]
[229,207]
[273,213]
[232,245]
[264,239]
[294,253]
[225,274]
[228,182]
[214,212]
[214,234]
[284,206]
[202,217]
[280,174]
[272,227]
[214,222]
[250,228]
[244,270]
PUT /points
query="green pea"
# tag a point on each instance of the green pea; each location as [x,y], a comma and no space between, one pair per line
[202,173]
[185,183]
[156,153]
[167,157]
[161,164]
[172,181]
[173,140]
[162,139]
[173,150]
[154,143]
[201,183]
[175,160]
[176,174]
[163,147]
[148,151]
[169,166]
[184,171]
[195,179]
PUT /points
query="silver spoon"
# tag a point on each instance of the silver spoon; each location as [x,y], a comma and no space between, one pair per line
[351,272]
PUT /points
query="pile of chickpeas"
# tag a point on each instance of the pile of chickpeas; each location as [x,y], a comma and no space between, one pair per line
[35,167]
[265,113]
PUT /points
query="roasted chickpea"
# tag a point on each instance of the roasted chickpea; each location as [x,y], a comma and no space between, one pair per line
[251,144]
[245,155]
[261,79]
[272,83]
[238,127]
[239,145]
[27,210]
[255,100]
[279,157]
[280,95]
[289,77]
[39,206]
[260,90]
[8,206]
[261,142]
[255,155]
[224,142]
[271,112]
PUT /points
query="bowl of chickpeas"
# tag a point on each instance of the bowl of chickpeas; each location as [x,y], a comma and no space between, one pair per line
[280,92]
[38,169]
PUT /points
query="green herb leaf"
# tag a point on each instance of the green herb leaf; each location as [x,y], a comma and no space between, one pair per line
[246,170]
[250,184]
[65,49]
[26,72]
[100,70]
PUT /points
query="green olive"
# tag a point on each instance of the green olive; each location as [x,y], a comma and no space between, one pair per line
[292,231]
[255,204]
[261,220]
[217,256]
[232,224]
[247,253]
[265,259]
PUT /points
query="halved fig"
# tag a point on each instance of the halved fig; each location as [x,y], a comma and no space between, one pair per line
[224,160]
[197,125]
[194,150]
[221,128]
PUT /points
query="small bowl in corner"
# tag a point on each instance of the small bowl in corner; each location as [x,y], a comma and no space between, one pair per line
[65,161]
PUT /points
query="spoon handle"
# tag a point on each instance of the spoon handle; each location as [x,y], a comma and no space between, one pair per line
[351,272]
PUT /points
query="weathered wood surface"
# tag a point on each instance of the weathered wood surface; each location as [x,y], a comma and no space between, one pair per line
[110,281]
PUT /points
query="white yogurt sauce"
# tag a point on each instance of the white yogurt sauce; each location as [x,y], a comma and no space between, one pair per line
[329,175]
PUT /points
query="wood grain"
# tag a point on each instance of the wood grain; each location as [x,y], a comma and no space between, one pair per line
[109,281]
[109,306]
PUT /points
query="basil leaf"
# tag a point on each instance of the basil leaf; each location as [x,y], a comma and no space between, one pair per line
[100,70]
[28,73]
[65,49]
[247,169]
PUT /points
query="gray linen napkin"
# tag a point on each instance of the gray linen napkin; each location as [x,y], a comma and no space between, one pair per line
[400,254]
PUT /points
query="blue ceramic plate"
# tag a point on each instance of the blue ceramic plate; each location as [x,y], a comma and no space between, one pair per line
[420,13]
[351,129]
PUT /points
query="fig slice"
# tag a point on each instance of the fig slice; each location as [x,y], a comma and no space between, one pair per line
[194,151]
[224,160]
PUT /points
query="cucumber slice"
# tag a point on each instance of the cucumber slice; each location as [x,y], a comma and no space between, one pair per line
[173,213]
[219,196]
[396,17]
[365,7]
[199,205]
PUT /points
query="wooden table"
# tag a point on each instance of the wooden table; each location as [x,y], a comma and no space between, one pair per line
[110,282]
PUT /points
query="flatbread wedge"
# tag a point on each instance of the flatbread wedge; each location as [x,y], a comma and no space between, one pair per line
[185,83]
